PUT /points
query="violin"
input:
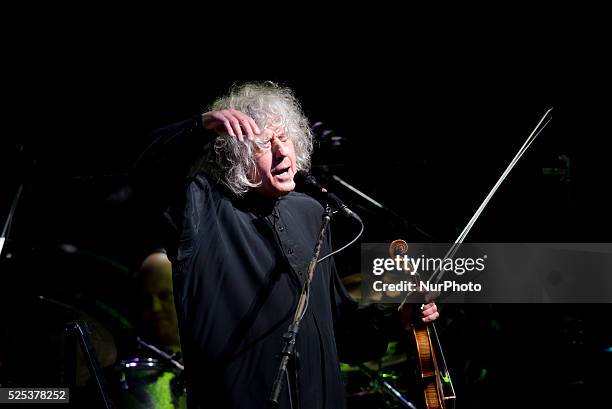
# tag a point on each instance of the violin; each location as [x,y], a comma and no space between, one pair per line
[434,377]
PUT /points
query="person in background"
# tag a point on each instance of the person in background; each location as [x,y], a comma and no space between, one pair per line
[159,321]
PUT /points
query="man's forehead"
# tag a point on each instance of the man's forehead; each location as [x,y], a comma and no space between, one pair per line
[276,129]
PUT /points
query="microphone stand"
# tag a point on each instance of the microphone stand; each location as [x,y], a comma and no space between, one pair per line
[177,384]
[288,354]
[383,207]
[169,359]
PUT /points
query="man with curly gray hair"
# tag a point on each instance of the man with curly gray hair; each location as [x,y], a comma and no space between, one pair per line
[243,242]
[265,161]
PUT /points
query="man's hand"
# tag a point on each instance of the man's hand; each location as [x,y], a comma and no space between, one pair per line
[232,122]
[429,313]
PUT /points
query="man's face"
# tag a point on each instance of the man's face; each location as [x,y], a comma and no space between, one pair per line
[276,163]
[158,309]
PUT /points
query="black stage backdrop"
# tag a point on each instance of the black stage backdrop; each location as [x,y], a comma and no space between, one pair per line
[427,142]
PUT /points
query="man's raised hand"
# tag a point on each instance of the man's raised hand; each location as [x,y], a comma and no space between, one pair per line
[232,122]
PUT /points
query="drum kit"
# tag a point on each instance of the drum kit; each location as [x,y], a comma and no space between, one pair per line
[382,384]
[148,383]
[69,315]
[81,340]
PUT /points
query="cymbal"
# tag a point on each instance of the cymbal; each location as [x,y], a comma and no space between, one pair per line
[392,357]
[101,338]
[352,283]
[32,350]
[354,286]
[79,277]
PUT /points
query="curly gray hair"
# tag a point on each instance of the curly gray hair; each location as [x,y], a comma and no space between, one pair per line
[269,105]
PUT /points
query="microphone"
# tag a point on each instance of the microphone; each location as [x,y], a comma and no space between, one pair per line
[312,187]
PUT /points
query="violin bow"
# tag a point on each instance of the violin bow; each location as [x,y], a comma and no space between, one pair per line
[437,275]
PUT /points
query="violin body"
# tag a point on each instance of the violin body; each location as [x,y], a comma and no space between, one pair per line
[429,370]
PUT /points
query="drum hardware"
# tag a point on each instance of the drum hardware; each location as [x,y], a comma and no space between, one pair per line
[79,331]
[170,359]
[389,389]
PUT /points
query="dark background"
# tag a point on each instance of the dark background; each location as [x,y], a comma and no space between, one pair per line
[428,138]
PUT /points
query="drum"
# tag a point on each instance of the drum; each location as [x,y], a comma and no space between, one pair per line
[145,383]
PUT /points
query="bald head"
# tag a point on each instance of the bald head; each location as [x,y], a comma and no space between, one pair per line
[158,309]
